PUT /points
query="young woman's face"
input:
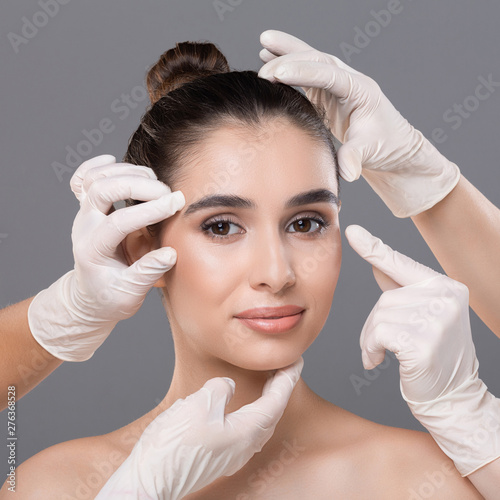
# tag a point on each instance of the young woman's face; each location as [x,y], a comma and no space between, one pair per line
[260,252]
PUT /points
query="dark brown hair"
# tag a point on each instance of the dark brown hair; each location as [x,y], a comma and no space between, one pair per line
[193,92]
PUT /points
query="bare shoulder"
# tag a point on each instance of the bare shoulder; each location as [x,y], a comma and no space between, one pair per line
[75,469]
[418,467]
[370,460]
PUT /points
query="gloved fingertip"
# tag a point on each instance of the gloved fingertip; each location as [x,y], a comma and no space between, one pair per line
[170,255]
[352,230]
[231,382]
[350,164]
[159,260]
[367,362]
[180,199]
[281,72]
[266,37]
[106,158]
[358,237]
[265,72]
[349,174]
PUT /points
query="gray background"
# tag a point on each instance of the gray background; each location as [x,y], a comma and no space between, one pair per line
[67,78]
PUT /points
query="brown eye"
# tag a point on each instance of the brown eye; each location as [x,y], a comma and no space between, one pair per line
[219,228]
[302,225]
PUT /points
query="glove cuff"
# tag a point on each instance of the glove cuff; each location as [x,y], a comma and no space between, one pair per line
[424,180]
[465,423]
[60,328]
[123,483]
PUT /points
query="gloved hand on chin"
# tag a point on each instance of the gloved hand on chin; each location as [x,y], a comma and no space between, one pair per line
[193,443]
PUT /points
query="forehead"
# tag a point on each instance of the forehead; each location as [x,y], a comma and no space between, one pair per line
[276,157]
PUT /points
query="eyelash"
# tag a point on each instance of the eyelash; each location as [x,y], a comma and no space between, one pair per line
[212,222]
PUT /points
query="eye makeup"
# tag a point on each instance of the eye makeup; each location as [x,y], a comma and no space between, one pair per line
[219,221]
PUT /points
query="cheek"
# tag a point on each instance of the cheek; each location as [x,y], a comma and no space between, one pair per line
[206,278]
[320,267]
[318,273]
[198,286]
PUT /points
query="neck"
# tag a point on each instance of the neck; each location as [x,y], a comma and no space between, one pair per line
[191,373]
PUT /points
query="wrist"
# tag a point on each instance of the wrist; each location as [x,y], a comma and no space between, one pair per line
[465,423]
[417,184]
[60,327]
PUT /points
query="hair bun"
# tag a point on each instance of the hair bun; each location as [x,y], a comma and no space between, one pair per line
[184,63]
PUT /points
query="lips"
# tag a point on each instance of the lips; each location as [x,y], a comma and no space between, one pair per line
[272,320]
[270,312]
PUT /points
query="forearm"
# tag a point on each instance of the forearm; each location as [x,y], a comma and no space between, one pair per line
[24,363]
[463,232]
[487,480]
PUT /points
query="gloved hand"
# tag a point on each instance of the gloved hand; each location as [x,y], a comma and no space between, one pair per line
[193,443]
[423,317]
[397,161]
[74,316]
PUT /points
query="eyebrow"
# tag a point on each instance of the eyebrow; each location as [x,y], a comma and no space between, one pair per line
[231,200]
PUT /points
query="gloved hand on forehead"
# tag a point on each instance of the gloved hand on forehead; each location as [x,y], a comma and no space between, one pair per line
[73,316]
[193,443]
[408,173]
[423,317]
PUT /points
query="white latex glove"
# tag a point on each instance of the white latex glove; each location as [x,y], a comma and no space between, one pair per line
[397,161]
[74,316]
[423,317]
[193,443]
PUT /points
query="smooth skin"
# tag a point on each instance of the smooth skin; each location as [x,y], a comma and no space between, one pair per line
[263,257]
[25,363]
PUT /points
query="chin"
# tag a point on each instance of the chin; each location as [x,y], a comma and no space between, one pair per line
[266,352]
[270,361]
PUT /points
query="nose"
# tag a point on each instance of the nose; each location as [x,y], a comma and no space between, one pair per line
[272,262]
